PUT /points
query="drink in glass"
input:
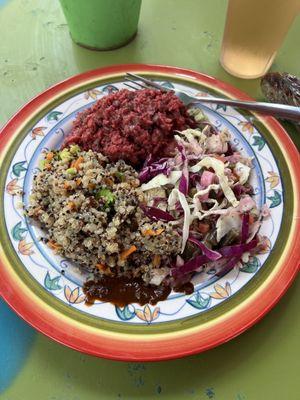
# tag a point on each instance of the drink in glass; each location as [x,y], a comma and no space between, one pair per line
[254,30]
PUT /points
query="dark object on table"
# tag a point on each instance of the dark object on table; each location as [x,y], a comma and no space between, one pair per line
[281,88]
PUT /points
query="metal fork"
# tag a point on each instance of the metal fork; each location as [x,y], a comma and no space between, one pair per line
[276,110]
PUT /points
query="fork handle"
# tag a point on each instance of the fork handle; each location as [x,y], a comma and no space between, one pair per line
[276,110]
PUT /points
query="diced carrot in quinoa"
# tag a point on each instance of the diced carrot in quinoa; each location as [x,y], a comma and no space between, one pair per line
[76,163]
[48,166]
[152,232]
[49,156]
[126,253]
[71,205]
[101,267]
[53,245]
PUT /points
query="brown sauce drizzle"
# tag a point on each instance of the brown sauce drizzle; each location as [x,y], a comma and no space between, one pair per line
[186,288]
[122,291]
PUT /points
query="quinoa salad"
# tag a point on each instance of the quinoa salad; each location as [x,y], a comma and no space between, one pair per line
[142,223]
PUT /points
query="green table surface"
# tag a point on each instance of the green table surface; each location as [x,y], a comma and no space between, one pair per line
[35,52]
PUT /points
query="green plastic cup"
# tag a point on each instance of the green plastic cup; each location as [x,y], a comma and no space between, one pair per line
[102,24]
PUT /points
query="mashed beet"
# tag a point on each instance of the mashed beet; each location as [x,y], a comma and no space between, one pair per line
[130,125]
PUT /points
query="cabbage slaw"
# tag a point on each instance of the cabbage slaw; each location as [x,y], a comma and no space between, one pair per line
[206,184]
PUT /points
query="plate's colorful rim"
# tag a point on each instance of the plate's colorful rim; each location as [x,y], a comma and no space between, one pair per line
[148,347]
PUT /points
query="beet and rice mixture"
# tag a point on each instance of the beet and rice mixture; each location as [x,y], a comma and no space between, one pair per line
[131,125]
[144,195]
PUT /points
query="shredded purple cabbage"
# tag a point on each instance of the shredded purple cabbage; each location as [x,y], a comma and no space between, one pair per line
[232,253]
[190,266]
[184,180]
[149,171]
[156,214]
[210,254]
[245,227]
[237,250]
[149,160]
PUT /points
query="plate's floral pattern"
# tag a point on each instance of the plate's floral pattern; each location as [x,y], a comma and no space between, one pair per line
[63,280]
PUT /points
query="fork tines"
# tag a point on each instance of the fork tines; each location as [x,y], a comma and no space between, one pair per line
[140,82]
[134,84]
[130,86]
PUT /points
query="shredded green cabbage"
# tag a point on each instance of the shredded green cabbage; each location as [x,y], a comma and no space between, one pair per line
[227,222]
[242,171]
[174,196]
[191,134]
[161,180]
